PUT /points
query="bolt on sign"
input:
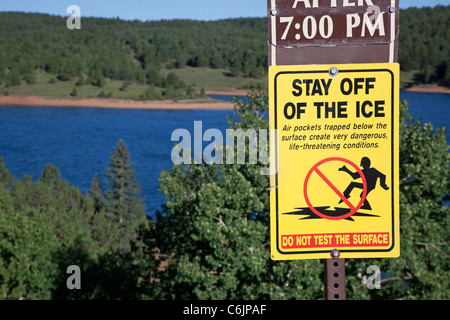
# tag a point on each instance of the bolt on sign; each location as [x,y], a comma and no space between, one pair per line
[335,160]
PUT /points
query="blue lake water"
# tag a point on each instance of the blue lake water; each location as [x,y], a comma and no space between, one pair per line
[79,141]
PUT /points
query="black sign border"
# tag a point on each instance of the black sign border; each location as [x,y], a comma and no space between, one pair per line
[393,126]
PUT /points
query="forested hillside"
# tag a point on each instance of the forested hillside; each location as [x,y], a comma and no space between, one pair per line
[131,51]
[142,52]
[424,43]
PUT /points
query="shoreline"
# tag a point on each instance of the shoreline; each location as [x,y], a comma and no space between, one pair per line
[33,100]
[432,88]
[195,104]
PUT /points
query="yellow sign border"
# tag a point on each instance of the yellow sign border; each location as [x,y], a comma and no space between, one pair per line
[394,250]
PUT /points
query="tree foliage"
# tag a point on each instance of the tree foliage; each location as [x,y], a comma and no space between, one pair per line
[131,51]
[212,239]
[421,272]
[423,44]
[47,226]
[122,200]
[136,51]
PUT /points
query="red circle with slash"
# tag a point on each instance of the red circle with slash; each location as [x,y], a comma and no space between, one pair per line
[315,169]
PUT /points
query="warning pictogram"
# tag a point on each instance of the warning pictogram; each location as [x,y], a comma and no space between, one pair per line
[337,214]
[335,159]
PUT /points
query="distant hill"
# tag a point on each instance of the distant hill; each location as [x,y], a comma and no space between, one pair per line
[38,47]
[131,51]
[424,44]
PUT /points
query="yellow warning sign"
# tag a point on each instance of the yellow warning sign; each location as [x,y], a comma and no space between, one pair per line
[334,161]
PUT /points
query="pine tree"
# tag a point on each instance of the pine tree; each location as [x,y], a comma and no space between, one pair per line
[5,176]
[74,92]
[122,200]
[96,193]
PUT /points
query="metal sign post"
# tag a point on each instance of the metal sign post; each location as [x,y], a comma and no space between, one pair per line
[333,101]
[335,277]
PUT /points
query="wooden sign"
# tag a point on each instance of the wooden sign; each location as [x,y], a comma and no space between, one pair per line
[332,31]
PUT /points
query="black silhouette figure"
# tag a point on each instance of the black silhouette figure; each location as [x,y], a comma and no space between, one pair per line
[371,175]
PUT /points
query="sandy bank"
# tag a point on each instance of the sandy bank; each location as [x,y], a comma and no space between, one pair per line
[234,92]
[201,104]
[429,89]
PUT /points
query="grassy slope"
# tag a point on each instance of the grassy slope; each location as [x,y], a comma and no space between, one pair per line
[214,79]
[209,79]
